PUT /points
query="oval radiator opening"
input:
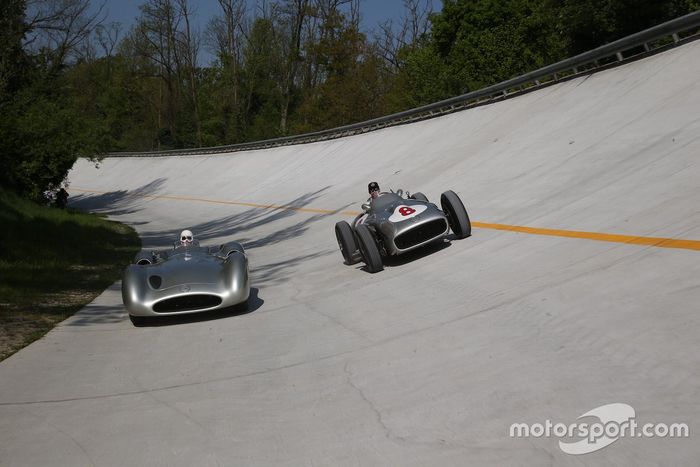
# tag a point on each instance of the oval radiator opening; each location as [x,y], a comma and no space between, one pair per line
[187,303]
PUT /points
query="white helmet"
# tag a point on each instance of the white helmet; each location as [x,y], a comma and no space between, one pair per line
[186,238]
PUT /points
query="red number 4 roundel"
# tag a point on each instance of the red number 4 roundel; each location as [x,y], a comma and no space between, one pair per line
[406,211]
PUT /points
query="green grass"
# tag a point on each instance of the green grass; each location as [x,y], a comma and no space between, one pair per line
[52,263]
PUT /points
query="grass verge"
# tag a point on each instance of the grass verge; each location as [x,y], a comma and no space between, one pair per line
[52,263]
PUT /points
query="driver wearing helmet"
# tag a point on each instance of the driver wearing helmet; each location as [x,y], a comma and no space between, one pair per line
[374,190]
[374,193]
[186,238]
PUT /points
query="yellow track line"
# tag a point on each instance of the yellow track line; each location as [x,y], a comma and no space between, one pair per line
[597,236]
[601,237]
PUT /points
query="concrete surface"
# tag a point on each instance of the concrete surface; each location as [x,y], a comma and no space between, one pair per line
[430,361]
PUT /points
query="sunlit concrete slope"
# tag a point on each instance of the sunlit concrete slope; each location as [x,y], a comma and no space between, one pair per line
[430,361]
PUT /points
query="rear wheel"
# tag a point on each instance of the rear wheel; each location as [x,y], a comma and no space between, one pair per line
[368,248]
[456,214]
[419,197]
[347,243]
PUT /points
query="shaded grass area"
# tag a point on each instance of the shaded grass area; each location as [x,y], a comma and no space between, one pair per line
[52,263]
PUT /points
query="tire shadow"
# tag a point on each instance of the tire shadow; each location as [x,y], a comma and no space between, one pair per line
[418,254]
[411,256]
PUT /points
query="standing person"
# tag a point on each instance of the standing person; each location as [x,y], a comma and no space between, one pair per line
[62,198]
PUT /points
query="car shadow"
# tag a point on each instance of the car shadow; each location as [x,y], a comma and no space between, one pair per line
[278,272]
[254,304]
[415,255]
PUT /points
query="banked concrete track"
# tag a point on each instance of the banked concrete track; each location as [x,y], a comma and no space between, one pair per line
[430,361]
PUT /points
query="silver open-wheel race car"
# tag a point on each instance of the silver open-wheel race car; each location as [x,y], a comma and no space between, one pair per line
[186,279]
[391,225]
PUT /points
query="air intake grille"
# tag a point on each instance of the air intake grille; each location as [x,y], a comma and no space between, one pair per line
[421,234]
[187,303]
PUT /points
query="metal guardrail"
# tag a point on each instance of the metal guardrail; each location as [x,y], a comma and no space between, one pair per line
[666,34]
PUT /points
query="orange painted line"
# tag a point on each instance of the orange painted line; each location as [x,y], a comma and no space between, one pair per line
[658,242]
[600,237]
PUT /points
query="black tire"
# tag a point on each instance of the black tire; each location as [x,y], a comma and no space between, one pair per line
[347,243]
[138,321]
[368,248]
[456,214]
[419,197]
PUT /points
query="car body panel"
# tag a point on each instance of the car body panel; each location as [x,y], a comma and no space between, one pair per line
[186,280]
[393,217]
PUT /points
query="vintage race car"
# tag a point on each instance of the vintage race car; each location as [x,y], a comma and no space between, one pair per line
[186,279]
[392,225]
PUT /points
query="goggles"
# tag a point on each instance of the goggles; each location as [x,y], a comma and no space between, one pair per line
[186,238]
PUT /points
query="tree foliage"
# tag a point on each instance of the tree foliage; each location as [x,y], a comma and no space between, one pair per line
[42,129]
[591,23]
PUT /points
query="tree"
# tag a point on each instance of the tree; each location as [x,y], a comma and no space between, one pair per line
[224,37]
[13,61]
[417,75]
[261,78]
[395,42]
[487,41]
[166,41]
[56,29]
[188,43]
[592,23]
[351,75]
[293,13]
[42,132]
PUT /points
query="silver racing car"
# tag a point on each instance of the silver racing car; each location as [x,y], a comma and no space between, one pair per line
[392,224]
[186,279]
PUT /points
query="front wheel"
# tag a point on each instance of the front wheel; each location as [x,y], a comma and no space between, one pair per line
[456,214]
[368,248]
[347,243]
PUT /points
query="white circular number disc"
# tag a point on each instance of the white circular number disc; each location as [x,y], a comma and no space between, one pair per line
[401,213]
